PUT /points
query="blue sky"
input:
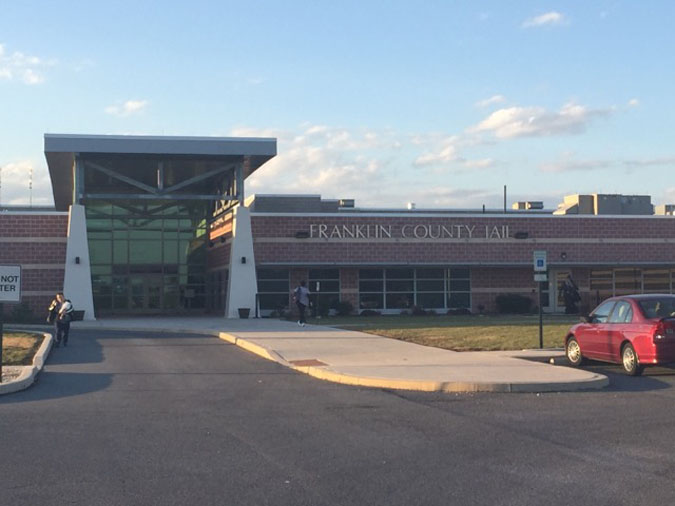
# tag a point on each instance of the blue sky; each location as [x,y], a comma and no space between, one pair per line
[439,102]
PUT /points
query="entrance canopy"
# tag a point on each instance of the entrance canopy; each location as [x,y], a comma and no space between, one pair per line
[87,168]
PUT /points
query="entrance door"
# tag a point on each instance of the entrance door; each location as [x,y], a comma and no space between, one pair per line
[146,293]
[557,281]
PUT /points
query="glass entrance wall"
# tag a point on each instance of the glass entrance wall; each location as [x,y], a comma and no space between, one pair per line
[147,256]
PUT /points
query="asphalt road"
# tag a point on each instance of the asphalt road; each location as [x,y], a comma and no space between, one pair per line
[154,419]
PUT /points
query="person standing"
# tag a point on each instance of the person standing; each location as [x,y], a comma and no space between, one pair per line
[53,309]
[63,319]
[301,298]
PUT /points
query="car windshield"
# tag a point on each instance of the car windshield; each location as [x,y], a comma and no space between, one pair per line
[658,307]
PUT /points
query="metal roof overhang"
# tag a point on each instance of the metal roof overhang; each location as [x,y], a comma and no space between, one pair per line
[61,149]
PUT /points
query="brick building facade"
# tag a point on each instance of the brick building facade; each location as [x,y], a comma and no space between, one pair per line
[35,240]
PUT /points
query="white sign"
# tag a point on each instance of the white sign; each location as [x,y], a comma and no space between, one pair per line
[540,261]
[540,277]
[10,283]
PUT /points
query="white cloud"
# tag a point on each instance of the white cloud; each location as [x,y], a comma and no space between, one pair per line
[569,164]
[633,102]
[650,162]
[127,108]
[16,180]
[549,18]
[537,121]
[21,67]
[494,99]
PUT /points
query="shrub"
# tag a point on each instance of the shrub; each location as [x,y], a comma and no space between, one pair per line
[513,303]
[344,308]
[370,312]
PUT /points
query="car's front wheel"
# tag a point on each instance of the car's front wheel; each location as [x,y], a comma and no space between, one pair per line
[629,360]
[573,352]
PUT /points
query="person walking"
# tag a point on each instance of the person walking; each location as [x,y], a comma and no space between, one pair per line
[53,309]
[63,319]
[301,298]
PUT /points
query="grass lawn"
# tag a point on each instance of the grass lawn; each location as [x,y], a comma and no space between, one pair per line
[19,347]
[462,333]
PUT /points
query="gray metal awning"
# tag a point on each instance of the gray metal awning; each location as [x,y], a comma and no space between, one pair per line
[62,149]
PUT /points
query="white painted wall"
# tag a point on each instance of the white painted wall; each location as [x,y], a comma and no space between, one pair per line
[77,280]
[242,284]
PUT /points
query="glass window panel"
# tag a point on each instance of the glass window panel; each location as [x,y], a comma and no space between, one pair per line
[602,312]
[399,286]
[273,301]
[459,300]
[102,302]
[431,300]
[144,252]
[324,274]
[270,286]
[100,252]
[400,273]
[430,286]
[101,269]
[399,300]
[272,273]
[170,252]
[120,302]
[120,252]
[325,286]
[656,281]
[371,301]
[622,313]
[459,273]
[371,286]
[371,273]
[430,273]
[460,285]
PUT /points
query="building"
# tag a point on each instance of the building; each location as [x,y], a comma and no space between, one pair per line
[159,225]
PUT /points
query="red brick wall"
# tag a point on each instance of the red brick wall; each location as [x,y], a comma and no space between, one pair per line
[582,240]
[497,266]
[36,241]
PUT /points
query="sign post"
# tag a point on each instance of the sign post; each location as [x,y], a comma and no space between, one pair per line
[10,291]
[540,277]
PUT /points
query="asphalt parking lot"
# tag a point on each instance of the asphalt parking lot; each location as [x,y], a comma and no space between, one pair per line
[178,419]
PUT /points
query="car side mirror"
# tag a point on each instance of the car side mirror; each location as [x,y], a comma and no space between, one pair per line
[586,319]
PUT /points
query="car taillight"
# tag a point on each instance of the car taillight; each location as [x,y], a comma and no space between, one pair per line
[660,332]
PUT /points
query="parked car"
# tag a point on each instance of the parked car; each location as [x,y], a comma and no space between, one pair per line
[633,330]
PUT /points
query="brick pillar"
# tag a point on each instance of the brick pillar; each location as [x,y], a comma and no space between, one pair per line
[349,287]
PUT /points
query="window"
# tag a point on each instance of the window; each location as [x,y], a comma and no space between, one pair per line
[459,288]
[401,288]
[623,313]
[325,285]
[602,312]
[273,290]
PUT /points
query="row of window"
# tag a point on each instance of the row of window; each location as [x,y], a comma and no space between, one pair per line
[379,289]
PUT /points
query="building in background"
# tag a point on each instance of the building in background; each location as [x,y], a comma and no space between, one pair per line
[159,226]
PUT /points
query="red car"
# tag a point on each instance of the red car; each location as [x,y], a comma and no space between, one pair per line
[633,330]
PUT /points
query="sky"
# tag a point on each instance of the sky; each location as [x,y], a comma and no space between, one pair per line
[440,103]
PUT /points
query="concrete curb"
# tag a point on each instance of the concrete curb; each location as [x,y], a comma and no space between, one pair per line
[30,372]
[598,381]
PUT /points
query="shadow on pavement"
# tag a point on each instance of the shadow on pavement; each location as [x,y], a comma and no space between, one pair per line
[56,385]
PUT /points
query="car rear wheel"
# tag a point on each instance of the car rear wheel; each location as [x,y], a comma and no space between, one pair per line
[629,360]
[573,352]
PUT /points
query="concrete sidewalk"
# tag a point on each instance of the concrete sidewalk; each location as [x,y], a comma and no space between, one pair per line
[357,358]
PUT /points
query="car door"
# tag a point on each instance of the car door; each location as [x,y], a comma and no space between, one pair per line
[611,334]
[590,340]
